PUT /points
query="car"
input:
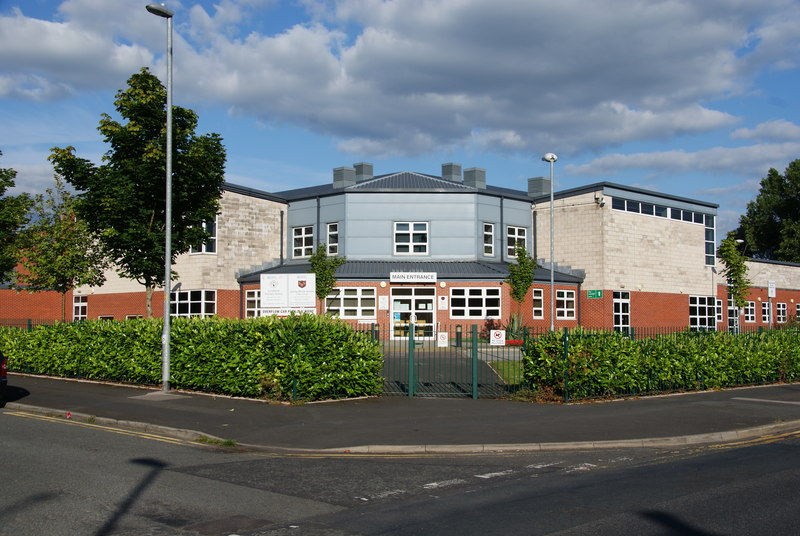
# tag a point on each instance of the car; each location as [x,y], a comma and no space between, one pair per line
[3,378]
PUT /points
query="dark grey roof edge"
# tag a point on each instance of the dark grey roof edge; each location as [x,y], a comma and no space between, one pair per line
[252,192]
[600,185]
[370,270]
[769,261]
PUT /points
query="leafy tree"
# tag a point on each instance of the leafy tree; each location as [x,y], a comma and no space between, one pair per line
[520,279]
[324,268]
[735,270]
[13,217]
[771,225]
[123,200]
[57,251]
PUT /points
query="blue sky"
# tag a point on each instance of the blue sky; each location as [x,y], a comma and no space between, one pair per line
[696,99]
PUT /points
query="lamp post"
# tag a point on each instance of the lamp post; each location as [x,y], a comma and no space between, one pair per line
[550,157]
[162,11]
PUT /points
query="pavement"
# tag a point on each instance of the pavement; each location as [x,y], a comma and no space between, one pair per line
[402,425]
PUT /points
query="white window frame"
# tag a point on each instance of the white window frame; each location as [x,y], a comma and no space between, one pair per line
[488,239]
[80,307]
[622,310]
[538,303]
[703,313]
[513,235]
[302,241]
[332,242]
[252,303]
[781,313]
[766,314]
[749,311]
[356,303]
[209,247]
[476,303]
[417,234]
[565,304]
[186,303]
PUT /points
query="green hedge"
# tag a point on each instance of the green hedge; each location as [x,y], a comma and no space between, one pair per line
[608,364]
[305,356]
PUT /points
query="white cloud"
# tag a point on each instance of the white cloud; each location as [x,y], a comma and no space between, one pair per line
[777,130]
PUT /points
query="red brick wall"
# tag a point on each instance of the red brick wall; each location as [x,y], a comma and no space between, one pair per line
[33,305]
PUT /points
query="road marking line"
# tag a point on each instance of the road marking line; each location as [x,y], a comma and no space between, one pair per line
[120,431]
[790,402]
[494,475]
[542,465]
[444,483]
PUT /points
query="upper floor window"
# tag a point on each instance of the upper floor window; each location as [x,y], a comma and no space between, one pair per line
[514,235]
[333,239]
[210,245]
[488,239]
[411,238]
[303,241]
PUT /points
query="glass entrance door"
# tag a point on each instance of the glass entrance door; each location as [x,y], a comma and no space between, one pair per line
[413,305]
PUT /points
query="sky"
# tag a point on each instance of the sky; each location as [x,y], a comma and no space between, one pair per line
[695,99]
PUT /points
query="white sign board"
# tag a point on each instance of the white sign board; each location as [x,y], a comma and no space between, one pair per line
[497,337]
[412,277]
[442,339]
[771,289]
[282,294]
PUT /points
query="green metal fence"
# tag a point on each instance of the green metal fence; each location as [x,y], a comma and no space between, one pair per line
[460,361]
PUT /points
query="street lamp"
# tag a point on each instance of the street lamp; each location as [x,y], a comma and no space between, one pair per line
[162,11]
[550,157]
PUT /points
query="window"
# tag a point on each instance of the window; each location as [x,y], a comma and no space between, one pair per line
[80,307]
[538,303]
[333,239]
[410,238]
[750,312]
[780,313]
[352,302]
[766,315]
[488,239]
[303,241]
[514,235]
[622,311]
[252,301]
[639,207]
[703,313]
[565,304]
[475,302]
[720,309]
[797,312]
[193,303]
[210,245]
[711,239]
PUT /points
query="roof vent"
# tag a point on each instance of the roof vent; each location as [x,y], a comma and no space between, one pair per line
[363,171]
[451,172]
[475,177]
[344,177]
[538,186]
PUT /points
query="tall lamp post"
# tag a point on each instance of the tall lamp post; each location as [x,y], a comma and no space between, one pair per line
[162,11]
[550,157]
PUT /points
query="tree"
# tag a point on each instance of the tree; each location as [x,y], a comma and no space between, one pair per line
[13,217]
[57,251]
[123,200]
[520,278]
[324,268]
[735,270]
[771,225]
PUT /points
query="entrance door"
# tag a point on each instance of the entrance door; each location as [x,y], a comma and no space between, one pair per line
[417,305]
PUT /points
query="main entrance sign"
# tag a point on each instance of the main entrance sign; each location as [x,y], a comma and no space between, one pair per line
[412,277]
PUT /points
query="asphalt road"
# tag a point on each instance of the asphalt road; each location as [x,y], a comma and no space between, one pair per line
[68,477]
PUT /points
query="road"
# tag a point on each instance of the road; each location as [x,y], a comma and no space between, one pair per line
[73,478]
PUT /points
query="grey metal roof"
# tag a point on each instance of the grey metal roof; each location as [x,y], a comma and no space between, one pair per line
[448,270]
[408,180]
[610,185]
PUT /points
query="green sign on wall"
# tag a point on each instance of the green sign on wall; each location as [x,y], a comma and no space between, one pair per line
[594,294]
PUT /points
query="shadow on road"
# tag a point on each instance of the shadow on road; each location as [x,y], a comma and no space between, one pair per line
[156,466]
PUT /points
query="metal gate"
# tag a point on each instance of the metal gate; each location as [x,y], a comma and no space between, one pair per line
[451,364]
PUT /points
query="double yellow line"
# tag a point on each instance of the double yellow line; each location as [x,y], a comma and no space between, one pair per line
[112,429]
